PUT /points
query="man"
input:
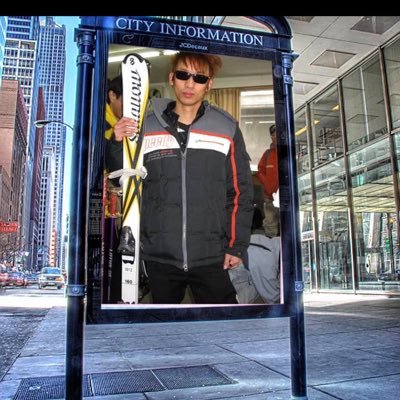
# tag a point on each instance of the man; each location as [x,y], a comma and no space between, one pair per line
[268,176]
[197,197]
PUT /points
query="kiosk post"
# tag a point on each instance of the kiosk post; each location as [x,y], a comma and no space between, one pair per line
[297,336]
[75,291]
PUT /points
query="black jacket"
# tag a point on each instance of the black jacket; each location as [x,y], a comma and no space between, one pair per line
[197,200]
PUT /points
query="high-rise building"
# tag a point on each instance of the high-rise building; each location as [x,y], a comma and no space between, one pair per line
[23,27]
[51,78]
[36,186]
[13,134]
[21,63]
[3,29]
[46,208]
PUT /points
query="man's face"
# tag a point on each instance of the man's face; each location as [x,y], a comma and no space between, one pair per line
[188,92]
[273,137]
[115,104]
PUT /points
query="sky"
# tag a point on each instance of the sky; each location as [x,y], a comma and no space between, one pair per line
[70,74]
[71,50]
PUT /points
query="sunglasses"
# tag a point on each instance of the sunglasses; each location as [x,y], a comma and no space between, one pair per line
[198,78]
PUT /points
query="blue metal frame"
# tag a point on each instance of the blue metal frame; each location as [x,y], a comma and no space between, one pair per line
[94,36]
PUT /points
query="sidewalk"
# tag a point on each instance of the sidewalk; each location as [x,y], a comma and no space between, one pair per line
[353,353]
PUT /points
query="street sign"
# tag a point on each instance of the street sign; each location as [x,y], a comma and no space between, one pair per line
[8,226]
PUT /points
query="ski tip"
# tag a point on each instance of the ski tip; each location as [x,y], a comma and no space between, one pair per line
[132,56]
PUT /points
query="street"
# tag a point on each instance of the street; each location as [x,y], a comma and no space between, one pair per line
[21,310]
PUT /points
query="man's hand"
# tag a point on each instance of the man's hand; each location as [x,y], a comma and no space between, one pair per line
[231,261]
[125,127]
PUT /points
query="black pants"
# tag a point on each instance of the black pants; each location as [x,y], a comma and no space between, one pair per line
[210,284]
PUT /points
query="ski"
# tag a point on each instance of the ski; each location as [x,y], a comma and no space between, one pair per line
[135,92]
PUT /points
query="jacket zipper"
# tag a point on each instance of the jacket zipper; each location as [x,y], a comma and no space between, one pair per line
[184,198]
[184,209]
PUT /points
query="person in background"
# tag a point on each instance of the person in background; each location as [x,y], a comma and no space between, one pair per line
[114,105]
[197,197]
[112,200]
[257,280]
[267,174]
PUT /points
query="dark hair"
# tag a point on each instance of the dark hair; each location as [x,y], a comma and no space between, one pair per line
[114,85]
[272,129]
[258,218]
[198,60]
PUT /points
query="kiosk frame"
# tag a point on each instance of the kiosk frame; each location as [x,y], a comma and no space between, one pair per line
[93,37]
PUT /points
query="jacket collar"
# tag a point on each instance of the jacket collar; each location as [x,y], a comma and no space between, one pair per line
[164,111]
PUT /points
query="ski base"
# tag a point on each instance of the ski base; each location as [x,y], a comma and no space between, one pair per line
[130,284]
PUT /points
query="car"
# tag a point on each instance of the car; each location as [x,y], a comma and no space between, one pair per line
[33,278]
[51,276]
[388,276]
[17,279]
[3,275]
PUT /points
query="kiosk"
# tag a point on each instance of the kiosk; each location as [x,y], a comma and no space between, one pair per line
[256,57]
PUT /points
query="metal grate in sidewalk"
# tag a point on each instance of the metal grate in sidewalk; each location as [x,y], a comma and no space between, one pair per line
[125,382]
[110,383]
[188,377]
[47,387]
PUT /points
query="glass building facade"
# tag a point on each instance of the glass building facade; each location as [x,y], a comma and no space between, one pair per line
[348,158]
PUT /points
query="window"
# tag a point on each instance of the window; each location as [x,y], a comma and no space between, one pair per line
[363,104]
[326,132]
[256,116]
[392,62]
[302,156]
